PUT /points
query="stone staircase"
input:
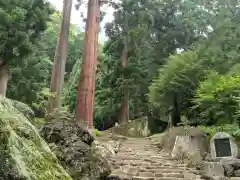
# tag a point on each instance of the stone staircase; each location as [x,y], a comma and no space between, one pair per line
[139,159]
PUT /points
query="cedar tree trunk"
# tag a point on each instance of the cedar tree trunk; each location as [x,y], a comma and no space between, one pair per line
[86,88]
[58,72]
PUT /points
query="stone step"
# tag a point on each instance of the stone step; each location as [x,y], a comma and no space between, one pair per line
[154,161]
[136,156]
[175,175]
[139,172]
[132,163]
[161,171]
[132,157]
[146,174]
[142,178]
[139,159]
[119,176]
[152,169]
[172,178]
[145,158]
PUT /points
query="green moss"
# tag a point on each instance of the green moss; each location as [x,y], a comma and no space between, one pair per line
[29,153]
[97,133]
[38,122]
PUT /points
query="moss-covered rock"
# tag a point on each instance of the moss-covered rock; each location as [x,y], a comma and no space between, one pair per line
[73,147]
[142,127]
[23,108]
[24,155]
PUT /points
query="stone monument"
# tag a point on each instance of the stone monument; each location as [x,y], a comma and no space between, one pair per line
[222,145]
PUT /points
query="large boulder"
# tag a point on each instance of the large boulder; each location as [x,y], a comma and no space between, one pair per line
[187,150]
[188,145]
[168,140]
[72,145]
[24,155]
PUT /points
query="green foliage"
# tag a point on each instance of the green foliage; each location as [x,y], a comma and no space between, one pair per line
[232,129]
[221,50]
[29,80]
[205,97]
[181,74]
[216,98]
[38,122]
[21,22]
[70,87]
[154,29]
[171,50]
[39,106]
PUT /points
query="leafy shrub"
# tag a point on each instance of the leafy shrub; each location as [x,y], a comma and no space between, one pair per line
[217,99]
[39,106]
[180,75]
[232,129]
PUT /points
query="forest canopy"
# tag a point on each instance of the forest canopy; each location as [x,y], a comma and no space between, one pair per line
[169,57]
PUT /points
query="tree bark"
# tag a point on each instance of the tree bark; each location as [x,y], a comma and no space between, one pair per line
[86,88]
[58,72]
[95,56]
[176,116]
[124,108]
[3,80]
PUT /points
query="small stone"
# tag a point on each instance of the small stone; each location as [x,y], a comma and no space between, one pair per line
[130,170]
[229,170]
[229,165]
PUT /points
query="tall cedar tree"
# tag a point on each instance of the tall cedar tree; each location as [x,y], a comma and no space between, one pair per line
[58,71]
[124,108]
[86,89]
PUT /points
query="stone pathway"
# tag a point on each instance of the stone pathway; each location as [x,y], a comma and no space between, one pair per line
[139,159]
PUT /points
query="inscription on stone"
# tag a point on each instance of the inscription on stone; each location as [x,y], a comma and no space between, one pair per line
[223,147]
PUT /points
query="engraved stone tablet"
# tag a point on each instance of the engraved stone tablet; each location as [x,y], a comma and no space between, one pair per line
[223,146]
